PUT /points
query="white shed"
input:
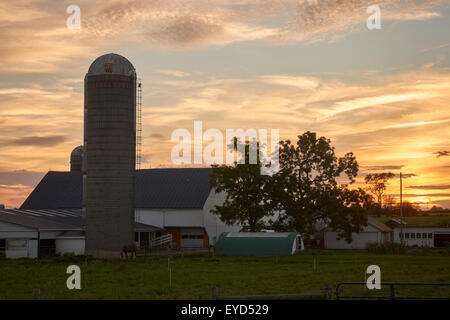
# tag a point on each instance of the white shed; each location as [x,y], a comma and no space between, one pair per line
[375,231]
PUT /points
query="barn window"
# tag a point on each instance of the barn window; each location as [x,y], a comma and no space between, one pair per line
[192,236]
[430,236]
[418,235]
[424,235]
[400,235]
[407,235]
[413,235]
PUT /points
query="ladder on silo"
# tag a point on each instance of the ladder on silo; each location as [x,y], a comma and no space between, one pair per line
[138,124]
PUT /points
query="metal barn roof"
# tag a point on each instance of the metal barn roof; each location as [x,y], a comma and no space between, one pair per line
[170,188]
[63,220]
[260,244]
[44,220]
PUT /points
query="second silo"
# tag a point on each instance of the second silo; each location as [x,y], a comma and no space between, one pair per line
[110,155]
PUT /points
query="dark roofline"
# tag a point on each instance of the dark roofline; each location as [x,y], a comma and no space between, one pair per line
[160,188]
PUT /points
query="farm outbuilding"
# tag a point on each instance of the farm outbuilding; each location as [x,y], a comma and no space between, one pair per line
[375,231]
[39,233]
[260,244]
[433,237]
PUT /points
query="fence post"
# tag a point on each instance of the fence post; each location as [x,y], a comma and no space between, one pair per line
[214,293]
[36,294]
[392,291]
[328,292]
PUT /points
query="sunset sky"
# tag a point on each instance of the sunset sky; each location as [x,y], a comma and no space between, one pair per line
[281,64]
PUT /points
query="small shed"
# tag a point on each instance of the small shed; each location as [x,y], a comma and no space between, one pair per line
[375,231]
[260,244]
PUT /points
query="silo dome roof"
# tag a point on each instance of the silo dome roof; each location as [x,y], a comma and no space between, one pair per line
[78,151]
[112,63]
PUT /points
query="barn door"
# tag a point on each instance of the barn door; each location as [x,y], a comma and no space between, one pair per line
[192,237]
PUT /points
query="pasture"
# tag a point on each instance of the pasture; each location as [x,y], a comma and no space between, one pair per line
[193,277]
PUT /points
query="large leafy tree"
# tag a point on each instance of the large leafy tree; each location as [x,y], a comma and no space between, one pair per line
[246,200]
[313,185]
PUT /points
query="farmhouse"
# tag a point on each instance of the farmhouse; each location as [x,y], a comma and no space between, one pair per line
[375,231]
[178,200]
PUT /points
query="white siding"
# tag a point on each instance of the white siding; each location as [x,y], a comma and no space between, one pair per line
[421,242]
[359,240]
[49,234]
[212,223]
[151,217]
[170,217]
[11,231]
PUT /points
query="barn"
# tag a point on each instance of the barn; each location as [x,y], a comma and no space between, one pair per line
[39,233]
[260,244]
[178,200]
[375,231]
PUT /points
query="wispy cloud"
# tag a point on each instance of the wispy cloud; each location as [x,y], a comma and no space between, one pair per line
[48,141]
[443,153]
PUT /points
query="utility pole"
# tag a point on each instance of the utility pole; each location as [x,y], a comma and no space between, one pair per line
[401,209]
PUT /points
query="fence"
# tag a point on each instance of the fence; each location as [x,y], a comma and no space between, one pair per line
[327,294]
[392,295]
[160,241]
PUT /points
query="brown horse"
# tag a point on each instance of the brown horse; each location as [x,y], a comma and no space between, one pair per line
[131,248]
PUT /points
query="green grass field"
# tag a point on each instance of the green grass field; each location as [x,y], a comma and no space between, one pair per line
[193,277]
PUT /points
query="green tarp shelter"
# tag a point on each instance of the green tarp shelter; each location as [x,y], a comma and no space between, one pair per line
[260,244]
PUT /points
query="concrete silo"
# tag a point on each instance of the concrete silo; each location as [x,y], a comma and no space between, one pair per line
[110,155]
[76,159]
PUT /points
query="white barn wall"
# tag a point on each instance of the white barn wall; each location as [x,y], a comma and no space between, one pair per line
[183,218]
[151,217]
[212,223]
[170,218]
[49,234]
[14,231]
